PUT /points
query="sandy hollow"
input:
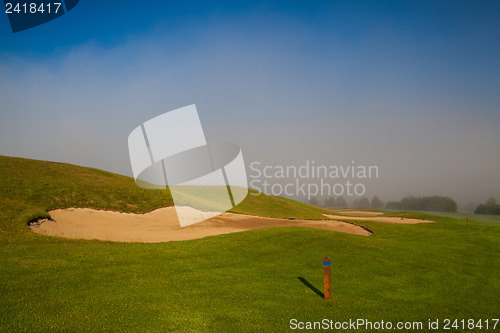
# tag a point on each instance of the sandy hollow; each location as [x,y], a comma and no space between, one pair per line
[352,212]
[161,225]
[384,219]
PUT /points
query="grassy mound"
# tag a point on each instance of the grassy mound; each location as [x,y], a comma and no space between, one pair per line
[29,188]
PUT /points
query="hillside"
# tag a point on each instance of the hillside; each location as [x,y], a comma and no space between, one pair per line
[29,188]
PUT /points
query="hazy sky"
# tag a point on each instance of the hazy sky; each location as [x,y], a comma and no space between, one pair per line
[412,87]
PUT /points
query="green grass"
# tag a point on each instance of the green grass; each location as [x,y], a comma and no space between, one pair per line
[242,282]
[472,217]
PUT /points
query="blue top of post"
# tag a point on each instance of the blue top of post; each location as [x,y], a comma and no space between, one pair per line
[326,261]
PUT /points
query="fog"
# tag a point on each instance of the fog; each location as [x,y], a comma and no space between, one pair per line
[425,112]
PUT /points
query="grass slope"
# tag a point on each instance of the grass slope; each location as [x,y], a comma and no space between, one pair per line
[243,282]
[29,188]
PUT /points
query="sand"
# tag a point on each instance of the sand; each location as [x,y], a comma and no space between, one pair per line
[161,225]
[352,212]
[384,219]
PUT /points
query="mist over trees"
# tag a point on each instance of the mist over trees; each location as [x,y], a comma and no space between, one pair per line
[361,203]
[314,201]
[489,207]
[427,203]
[434,204]
[365,203]
[330,202]
[376,203]
[341,203]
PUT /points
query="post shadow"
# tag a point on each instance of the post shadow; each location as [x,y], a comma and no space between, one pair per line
[310,286]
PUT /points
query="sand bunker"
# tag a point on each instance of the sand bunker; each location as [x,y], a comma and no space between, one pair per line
[384,219]
[161,225]
[357,212]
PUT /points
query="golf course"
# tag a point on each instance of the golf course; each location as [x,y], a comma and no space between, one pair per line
[248,279]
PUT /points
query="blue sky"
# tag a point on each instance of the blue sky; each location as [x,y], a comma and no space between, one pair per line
[411,86]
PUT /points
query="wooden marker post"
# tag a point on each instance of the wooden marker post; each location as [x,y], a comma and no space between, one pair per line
[326,274]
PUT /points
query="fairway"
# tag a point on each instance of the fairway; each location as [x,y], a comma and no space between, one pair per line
[471,216]
[249,281]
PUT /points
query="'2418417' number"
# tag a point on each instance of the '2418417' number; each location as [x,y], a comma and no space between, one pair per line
[32,8]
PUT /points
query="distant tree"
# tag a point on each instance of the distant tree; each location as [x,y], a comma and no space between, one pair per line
[313,201]
[491,202]
[330,202]
[489,207]
[341,203]
[376,203]
[361,203]
[392,205]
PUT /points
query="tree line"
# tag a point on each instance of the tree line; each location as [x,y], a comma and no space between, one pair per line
[489,207]
[429,203]
[435,203]
[340,202]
